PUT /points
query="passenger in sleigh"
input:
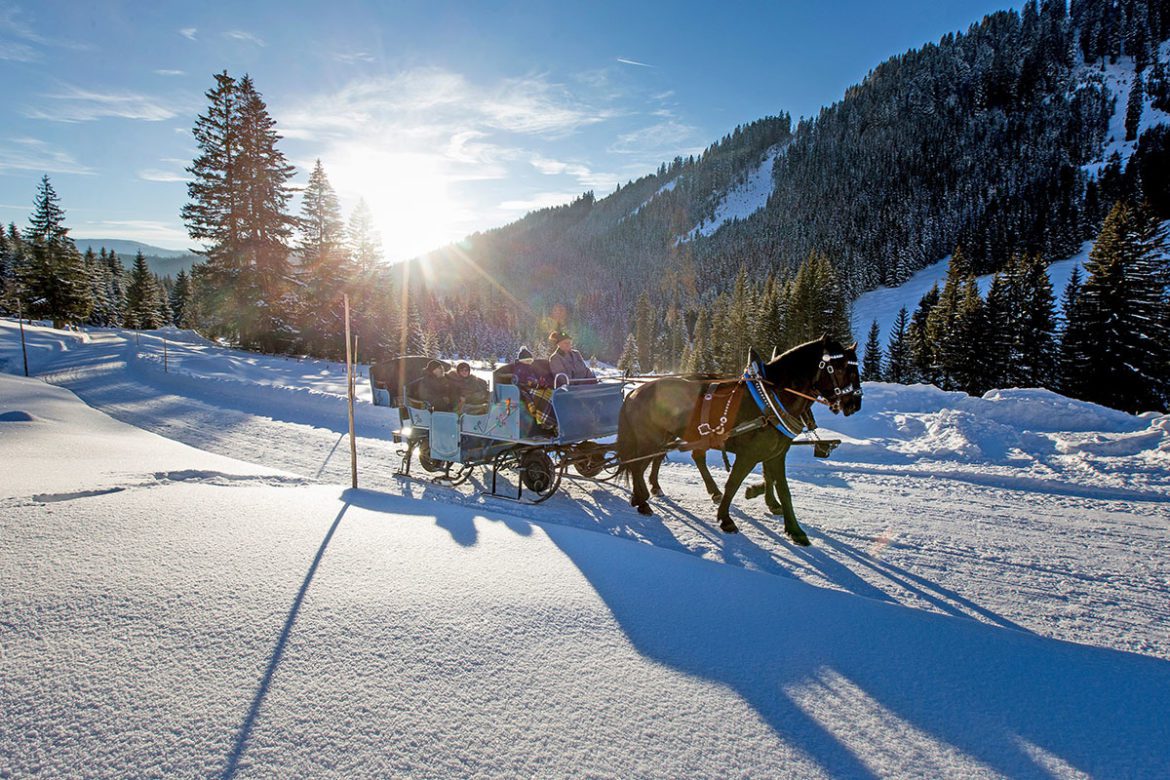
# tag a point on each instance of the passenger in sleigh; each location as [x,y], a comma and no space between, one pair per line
[468,392]
[535,380]
[567,363]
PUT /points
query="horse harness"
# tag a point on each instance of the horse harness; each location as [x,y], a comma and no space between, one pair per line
[723,397]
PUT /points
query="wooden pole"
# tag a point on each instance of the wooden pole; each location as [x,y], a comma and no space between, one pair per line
[349,393]
[23,348]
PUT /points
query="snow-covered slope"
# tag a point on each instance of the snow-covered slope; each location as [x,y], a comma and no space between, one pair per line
[987,586]
[1118,78]
[744,199]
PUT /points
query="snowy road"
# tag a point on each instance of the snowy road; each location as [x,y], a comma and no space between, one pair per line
[233,611]
[1071,552]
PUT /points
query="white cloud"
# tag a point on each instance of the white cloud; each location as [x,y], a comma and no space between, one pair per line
[31,154]
[166,234]
[351,58]
[189,32]
[661,140]
[80,105]
[168,72]
[244,35]
[157,174]
[625,61]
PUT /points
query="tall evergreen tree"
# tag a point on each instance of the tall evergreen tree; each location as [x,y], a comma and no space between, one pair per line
[325,268]
[871,362]
[1133,108]
[1120,311]
[628,362]
[142,311]
[238,198]
[899,368]
[645,332]
[365,243]
[55,284]
[182,306]
[1036,331]
[923,362]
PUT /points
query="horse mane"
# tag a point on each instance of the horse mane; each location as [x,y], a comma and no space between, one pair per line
[799,349]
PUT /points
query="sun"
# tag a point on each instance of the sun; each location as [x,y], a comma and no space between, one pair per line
[409,195]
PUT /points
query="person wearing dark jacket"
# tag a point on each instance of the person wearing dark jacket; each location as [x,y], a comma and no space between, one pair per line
[534,379]
[567,361]
[465,387]
[433,388]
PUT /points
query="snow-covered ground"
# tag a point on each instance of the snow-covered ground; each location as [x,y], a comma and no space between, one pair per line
[883,303]
[1118,78]
[986,594]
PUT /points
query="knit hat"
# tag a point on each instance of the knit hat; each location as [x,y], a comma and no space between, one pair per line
[558,335]
[462,366]
[523,354]
[431,366]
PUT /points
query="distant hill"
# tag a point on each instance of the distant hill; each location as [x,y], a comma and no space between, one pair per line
[164,262]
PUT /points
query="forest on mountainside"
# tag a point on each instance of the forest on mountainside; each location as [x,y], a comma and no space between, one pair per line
[988,146]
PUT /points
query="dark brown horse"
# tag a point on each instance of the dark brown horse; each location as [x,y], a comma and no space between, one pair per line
[656,416]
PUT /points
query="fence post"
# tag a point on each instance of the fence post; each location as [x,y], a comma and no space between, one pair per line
[349,393]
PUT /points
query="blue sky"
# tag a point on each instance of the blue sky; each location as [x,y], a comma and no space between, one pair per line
[446,117]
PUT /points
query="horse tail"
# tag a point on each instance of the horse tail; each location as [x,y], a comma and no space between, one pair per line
[627,442]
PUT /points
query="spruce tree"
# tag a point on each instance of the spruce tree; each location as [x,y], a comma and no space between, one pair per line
[628,362]
[923,362]
[1120,312]
[1001,312]
[1133,108]
[237,209]
[871,362]
[55,284]
[645,332]
[899,368]
[142,297]
[1036,326]
[325,269]
[181,301]
[365,243]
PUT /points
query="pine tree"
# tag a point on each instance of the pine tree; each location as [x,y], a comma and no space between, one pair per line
[142,297]
[181,301]
[999,350]
[702,357]
[925,368]
[1036,331]
[1133,108]
[54,281]
[237,208]
[871,362]
[946,326]
[645,332]
[1119,330]
[898,365]
[628,362]
[365,244]
[325,265]
[1073,341]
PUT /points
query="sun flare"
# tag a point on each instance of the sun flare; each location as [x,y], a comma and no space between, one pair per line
[408,193]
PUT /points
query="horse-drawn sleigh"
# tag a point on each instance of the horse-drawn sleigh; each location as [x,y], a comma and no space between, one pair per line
[757,417]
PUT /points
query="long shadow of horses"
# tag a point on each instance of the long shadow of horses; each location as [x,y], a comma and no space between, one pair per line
[1001,697]
[1013,703]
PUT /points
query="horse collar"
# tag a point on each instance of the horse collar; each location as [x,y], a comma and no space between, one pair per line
[770,407]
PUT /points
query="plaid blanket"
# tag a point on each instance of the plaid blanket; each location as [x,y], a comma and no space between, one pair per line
[538,400]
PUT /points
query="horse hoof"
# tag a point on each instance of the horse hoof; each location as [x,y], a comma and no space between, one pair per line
[655,491]
[753,491]
[716,497]
[729,527]
[798,538]
[644,509]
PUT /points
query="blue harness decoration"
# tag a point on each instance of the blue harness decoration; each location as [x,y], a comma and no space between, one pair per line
[771,409]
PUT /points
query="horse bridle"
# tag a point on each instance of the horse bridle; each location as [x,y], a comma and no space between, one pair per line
[840,391]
